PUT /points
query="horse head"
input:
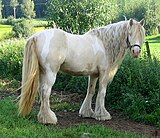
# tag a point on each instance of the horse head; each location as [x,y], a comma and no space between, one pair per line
[135,36]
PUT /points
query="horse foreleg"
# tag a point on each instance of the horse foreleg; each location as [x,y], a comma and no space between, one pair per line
[46,115]
[86,109]
[100,112]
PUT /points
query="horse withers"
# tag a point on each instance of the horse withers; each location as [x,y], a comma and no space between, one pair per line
[97,54]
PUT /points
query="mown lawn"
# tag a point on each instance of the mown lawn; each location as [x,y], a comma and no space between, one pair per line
[14,126]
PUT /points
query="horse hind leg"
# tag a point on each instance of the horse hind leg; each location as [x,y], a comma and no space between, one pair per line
[86,109]
[46,115]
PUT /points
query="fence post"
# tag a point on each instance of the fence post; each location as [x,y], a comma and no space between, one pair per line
[148,50]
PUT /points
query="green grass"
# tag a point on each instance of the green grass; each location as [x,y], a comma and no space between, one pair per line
[14,126]
[4,29]
[154,43]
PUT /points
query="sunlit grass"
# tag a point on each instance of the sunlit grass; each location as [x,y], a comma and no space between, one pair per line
[38,29]
[4,29]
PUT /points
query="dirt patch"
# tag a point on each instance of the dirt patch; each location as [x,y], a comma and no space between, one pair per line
[68,118]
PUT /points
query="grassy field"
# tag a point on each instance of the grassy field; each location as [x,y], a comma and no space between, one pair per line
[13,126]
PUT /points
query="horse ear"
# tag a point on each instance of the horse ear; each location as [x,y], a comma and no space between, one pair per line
[131,22]
[142,22]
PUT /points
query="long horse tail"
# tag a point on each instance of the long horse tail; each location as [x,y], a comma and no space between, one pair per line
[30,78]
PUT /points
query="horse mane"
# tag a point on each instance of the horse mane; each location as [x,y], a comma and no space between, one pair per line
[114,38]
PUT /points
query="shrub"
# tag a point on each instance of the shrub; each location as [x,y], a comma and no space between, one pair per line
[11,59]
[135,89]
[10,20]
[23,28]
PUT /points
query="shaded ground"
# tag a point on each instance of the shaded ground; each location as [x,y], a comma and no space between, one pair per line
[70,117]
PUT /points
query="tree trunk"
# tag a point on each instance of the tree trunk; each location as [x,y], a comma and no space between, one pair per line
[14,12]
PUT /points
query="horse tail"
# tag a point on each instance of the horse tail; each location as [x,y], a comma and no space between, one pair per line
[30,78]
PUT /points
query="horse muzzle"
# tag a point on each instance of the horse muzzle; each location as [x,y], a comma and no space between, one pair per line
[135,50]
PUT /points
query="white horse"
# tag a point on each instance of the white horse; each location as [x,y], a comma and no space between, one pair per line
[97,54]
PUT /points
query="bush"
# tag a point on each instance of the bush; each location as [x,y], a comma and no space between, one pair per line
[135,89]
[23,28]
[11,59]
[10,20]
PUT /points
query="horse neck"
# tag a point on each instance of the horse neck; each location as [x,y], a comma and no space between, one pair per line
[114,38]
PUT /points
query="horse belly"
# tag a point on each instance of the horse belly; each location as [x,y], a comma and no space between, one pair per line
[79,69]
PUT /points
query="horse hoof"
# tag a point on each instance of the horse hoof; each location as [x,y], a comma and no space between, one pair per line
[103,115]
[103,118]
[87,113]
[47,118]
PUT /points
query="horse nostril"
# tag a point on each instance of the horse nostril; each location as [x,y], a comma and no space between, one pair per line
[133,50]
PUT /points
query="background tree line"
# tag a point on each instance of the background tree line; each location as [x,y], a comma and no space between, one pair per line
[24,8]
[78,16]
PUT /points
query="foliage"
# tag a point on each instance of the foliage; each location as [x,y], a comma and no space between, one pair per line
[39,22]
[135,90]
[28,9]
[23,28]
[63,13]
[152,17]
[11,59]
[39,7]
[14,4]
[88,14]
[10,20]
[0,9]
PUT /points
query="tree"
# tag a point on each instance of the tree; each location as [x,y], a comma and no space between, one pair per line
[0,9]
[78,16]
[40,8]
[152,16]
[28,9]
[14,4]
